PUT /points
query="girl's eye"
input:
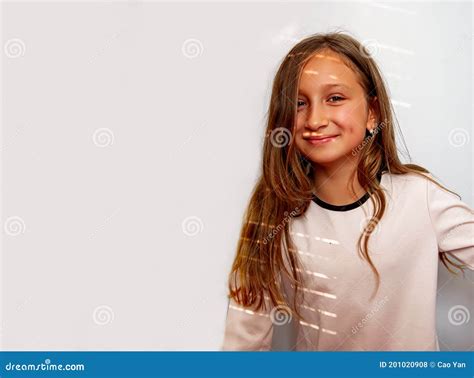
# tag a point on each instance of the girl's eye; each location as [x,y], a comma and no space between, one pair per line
[337,97]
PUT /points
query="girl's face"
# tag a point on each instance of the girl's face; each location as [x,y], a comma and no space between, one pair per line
[331,102]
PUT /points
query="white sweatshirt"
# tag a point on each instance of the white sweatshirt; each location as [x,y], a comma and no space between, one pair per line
[420,219]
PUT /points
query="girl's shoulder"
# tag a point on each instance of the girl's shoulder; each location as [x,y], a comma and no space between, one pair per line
[406,183]
[419,177]
[418,188]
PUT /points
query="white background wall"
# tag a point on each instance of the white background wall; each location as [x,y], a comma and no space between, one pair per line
[98,250]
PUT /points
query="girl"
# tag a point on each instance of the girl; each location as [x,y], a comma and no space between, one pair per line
[341,238]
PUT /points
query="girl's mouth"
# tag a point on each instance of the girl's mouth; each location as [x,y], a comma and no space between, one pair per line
[316,141]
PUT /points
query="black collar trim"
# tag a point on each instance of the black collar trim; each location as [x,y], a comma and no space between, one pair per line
[349,206]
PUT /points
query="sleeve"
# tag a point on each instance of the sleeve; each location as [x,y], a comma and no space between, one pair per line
[453,223]
[247,329]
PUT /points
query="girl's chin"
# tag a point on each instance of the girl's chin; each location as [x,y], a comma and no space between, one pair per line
[325,158]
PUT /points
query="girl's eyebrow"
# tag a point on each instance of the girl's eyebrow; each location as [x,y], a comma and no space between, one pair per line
[329,85]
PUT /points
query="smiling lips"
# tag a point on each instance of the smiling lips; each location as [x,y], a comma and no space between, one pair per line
[319,139]
[311,136]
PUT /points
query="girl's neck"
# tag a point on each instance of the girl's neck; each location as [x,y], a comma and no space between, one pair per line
[333,184]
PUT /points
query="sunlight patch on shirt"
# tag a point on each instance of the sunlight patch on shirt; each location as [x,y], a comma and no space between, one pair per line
[317,327]
[331,314]
[247,311]
[316,274]
[325,240]
[308,254]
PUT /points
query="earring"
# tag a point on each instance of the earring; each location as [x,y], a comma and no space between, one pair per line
[375,127]
[308,167]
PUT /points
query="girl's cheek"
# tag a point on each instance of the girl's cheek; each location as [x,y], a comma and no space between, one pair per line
[299,122]
[344,118]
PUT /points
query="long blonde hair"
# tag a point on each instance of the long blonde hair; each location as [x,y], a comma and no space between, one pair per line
[285,186]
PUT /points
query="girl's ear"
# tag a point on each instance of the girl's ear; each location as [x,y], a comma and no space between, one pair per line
[373,114]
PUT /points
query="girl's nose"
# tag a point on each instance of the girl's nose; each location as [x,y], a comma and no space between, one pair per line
[315,123]
[316,119]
